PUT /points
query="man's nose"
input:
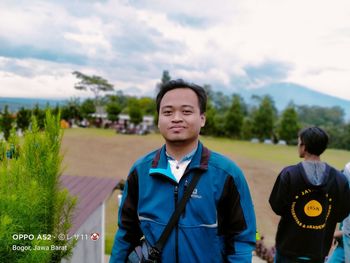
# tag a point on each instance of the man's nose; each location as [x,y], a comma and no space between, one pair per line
[177,117]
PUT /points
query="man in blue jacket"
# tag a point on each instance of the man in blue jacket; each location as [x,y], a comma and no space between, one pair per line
[218,223]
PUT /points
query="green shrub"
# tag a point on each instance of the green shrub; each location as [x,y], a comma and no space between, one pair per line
[31,200]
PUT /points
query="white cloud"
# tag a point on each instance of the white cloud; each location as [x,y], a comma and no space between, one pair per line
[43,86]
[324,80]
[45,81]
[131,42]
[39,23]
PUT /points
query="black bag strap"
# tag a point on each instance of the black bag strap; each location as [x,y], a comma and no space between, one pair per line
[158,247]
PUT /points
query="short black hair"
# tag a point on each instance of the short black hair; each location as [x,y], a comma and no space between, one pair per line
[315,140]
[179,83]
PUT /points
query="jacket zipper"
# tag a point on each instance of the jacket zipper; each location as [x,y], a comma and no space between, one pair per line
[176,196]
[185,189]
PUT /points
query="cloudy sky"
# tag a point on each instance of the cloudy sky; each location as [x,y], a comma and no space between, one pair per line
[228,44]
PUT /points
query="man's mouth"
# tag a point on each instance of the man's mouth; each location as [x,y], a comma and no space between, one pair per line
[177,128]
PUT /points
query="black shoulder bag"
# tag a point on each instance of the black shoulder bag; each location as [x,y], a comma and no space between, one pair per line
[145,253]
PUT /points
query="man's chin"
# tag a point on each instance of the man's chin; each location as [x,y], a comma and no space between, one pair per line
[176,139]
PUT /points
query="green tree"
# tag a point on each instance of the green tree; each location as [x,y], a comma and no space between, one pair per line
[135,112]
[234,118]
[31,199]
[23,118]
[95,84]
[210,127]
[120,99]
[221,102]
[39,114]
[321,116]
[113,111]
[165,76]
[87,108]
[71,110]
[6,122]
[56,110]
[213,122]
[247,129]
[289,125]
[346,137]
[264,118]
[147,105]
[164,79]
[219,125]
[339,136]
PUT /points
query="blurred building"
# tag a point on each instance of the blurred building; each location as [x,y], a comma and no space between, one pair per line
[89,216]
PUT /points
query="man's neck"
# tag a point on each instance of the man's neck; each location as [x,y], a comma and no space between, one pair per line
[178,150]
[311,157]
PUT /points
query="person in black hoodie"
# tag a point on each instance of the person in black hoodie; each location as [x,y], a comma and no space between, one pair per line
[311,197]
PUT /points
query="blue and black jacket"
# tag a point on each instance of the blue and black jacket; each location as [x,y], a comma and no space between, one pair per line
[218,224]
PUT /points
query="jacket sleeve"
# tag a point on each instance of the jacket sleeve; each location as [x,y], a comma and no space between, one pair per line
[278,198]
[344,207]
[240,242]
[129,233]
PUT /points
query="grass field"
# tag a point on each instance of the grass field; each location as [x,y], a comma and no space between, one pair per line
[102,153]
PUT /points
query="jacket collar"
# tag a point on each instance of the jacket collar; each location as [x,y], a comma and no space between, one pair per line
[160,161]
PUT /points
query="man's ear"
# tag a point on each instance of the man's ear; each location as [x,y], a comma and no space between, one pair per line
[203,119]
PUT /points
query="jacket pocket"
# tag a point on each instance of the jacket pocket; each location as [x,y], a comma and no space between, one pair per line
[200,244]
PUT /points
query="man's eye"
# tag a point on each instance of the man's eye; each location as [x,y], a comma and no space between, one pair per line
[168,112]
[187,112]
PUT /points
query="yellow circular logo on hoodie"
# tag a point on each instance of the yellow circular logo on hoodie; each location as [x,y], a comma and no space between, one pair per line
[313,208]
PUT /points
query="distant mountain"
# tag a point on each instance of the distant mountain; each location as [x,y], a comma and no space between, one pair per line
[284,93]
[15,104]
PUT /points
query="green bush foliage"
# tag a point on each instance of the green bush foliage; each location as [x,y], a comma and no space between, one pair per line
[31,199]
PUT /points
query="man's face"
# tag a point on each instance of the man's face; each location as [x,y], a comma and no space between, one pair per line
[180,119]
[301,148]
